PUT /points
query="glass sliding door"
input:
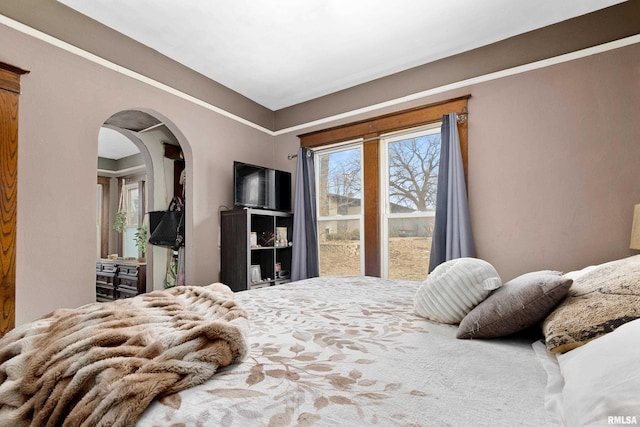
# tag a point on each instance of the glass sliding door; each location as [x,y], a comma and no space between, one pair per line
[409,177]
[339,204]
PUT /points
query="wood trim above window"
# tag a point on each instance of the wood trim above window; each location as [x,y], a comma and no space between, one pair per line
[370,131]
[385,124]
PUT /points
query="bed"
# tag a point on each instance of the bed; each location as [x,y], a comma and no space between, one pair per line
[352,351]
[349,351]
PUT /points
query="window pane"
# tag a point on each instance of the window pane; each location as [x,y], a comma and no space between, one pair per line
[413,173]
[130,250]
[410,186]
[409,247]
[339,247]
[133,206]
[339,182]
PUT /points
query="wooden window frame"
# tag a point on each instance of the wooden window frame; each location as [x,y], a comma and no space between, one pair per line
[104,215]
[370,131]
[140,180]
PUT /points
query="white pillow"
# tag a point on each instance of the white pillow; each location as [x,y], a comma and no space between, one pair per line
[602,379]
[454,288]
[573,275]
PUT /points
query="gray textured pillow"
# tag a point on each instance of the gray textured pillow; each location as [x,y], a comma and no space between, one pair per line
[518,304]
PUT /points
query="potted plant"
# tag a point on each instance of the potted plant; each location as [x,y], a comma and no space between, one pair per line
[120,221]
[141,240]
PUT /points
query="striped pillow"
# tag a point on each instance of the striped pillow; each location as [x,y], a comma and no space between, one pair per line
[454,288]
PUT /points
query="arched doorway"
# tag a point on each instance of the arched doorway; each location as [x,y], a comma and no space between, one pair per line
[164,161]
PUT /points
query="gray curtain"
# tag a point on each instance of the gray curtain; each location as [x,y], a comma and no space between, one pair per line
[305,262]
[452,236]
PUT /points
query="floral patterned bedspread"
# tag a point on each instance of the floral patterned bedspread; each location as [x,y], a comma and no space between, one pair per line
[349,351]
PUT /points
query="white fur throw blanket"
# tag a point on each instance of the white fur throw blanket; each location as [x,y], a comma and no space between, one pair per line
[103,363]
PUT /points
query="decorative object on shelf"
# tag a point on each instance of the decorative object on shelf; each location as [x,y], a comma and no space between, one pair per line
[281,236]
[253,239]
[167,227]
[266,239]
[256,274]
[283,274]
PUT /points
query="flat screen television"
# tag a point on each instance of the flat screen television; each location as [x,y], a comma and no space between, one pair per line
[261,187]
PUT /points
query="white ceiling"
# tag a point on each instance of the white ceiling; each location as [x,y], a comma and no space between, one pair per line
[283,52]
[114,145]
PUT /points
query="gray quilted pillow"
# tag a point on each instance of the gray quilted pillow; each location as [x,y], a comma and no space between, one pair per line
[517,305]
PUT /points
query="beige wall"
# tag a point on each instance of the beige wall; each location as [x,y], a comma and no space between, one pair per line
[593,29]
[553,159]
[66,24]
[65,99]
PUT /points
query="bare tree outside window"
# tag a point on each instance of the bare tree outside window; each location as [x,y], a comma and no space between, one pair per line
[413,173]
[410,183]
[410,189]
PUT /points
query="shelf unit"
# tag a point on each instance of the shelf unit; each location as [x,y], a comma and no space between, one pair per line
[240,253]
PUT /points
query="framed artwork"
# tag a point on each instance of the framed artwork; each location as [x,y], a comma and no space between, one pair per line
[256,274]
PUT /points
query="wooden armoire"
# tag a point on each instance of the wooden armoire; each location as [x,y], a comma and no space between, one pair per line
[9,92]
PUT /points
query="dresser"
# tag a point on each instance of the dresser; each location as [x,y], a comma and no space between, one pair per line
[119,279]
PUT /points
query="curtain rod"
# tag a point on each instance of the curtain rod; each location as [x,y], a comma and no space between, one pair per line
[461,118]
